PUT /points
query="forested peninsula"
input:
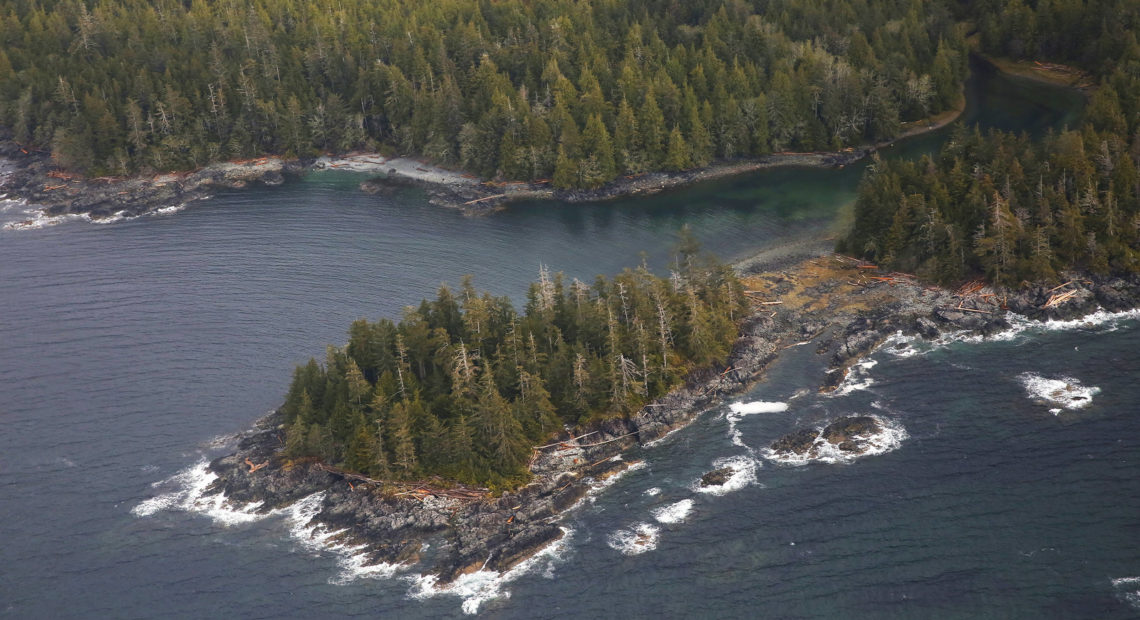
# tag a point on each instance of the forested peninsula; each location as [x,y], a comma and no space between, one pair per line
[574,94]
[1009,209]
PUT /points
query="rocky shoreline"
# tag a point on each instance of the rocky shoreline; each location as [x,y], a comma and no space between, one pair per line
[55,193]
[481,198]
[38,182]
[844,307]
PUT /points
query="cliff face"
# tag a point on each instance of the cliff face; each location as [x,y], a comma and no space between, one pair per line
[846,311]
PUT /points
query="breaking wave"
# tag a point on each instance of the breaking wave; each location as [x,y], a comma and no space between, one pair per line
[1063,393]
[352,561]
[737,411]
[889,437]
[1100,321]
[635,540]
[1129,589]
[743,474]
[674,513]
[35,219]
[189,495]
[485,585]
[858,378]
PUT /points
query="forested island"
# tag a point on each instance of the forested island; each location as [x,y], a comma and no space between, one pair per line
[463,386]
[578,94]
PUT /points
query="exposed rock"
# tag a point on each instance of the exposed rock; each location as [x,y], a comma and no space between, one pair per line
[717,477]
[926,327]
[797,442]
[37,181]
[843,433]
[843,429]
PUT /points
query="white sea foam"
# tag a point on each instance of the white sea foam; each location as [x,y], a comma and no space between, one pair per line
[178,207]
[352,560]
[300,518]
[190,496]
[655,491]
[903,346]
[35,219]
[800,393]
[674,513]
[858,378]
[1129,589]
[635,540]
[743,409]
[118,216]
[1100,321]
[889,437]
[743,474]
[484,585]
[737,411]
[1063,393]
[599,485]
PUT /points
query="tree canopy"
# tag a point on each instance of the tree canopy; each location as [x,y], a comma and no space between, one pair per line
[521,89]
[463,386]
[1008,208]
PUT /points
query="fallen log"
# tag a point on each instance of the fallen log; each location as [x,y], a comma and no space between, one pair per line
[602,443]
[1061,286]
[559,443]
[471,202]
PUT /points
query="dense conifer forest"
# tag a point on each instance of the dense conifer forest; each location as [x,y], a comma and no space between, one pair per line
[463,386]
[1006,207]
[576,92]
[1096,34]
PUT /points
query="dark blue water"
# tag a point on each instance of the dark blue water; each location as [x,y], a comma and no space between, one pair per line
[129,351]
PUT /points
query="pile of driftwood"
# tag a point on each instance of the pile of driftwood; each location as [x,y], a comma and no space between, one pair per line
[1057,299]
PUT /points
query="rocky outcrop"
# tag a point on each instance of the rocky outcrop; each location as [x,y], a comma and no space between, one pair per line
[717,477]
[38,181]
[845,434]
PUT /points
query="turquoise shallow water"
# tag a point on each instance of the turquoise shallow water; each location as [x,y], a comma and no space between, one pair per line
[129,351]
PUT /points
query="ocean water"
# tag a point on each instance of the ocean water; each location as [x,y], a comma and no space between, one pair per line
[131,353]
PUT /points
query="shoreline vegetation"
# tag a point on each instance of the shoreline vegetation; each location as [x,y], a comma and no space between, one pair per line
[56,193]
[541,92]
[843,307]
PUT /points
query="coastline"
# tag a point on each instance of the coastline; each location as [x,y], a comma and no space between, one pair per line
[51,194]
[843,307]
